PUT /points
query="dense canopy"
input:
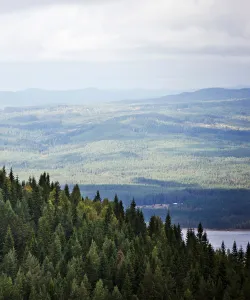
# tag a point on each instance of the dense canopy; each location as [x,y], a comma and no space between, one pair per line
[55,244]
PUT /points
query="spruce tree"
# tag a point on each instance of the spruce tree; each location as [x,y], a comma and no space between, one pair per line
[84,292]
[8,242]
[66,190]
[127,288]
[11,176]
[200,232]
[247,258]
[116,295]
[146,288]
[97,197]
[92,263]
[235,252]
[100,292]
[168,227]
[10,264]
[223,248]
[7,290]
[76,195]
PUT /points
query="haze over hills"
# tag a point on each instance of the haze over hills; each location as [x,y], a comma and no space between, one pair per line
[191,148]
[210,94]
[38,97]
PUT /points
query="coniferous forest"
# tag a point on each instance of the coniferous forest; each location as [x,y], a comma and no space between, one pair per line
[54,244]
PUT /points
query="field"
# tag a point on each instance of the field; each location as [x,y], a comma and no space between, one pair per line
[156,151]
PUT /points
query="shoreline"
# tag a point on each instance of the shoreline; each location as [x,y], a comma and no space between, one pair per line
[220,230]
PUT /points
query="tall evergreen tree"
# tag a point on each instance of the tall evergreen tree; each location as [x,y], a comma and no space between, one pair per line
[54,245]
[92,263]
[247,258]
[100,292]
[8,242]
[66,190]
[97,197]
[116,295]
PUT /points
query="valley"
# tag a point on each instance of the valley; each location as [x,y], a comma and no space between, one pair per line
[159,151]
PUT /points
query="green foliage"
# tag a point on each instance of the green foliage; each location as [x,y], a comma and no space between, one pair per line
[161,153]
[10,264]
[116,295]
[100,292]
[67,247]
[8,242]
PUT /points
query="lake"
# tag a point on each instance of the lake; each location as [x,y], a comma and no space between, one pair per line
[242,237]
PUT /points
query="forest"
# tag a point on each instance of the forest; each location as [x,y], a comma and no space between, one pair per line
[186,150]
[55,244]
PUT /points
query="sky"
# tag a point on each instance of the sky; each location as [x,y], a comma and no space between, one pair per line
[124,44]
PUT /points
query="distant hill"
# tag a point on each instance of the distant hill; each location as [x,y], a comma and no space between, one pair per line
[36,97]
[209,94]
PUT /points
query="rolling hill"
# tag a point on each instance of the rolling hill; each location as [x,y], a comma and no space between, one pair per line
[191,148]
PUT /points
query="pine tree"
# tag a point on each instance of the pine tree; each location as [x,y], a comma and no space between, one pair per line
[76,195]
[45,233]
[32,269]
[87,284]
[222,273]
[116,207]
[247,258]
[104,267]
[56,250]
[20,283]
[100,293]
[116,200]
[158,284]
[155,225]
[121,211]
[36,204]
[92,264]
[188,295]
[168,227]
[66,190]
[10,264]
[241,255]
[34,294]
[76,249]
[223,248]
[97,197]
[47,267]
[108,218]
[200,232]
[84,292]
[75,291]
[8,242]
[6,288]
[235,252]
[146,288]
[133,204]
[116,295]
[11,176]
[127,288]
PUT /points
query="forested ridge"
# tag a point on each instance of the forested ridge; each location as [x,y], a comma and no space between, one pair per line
[55,244]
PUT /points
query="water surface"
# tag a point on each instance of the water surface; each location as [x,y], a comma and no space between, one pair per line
[242,237]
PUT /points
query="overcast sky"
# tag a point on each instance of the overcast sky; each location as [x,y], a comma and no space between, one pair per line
[158,44]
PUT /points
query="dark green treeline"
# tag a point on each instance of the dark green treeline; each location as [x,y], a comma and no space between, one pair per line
[56,245]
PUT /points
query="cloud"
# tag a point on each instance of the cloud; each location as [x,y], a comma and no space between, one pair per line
[122,30]
[125,31]
[13,5]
